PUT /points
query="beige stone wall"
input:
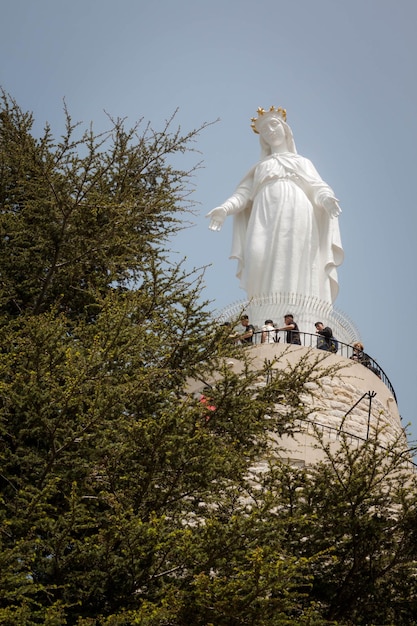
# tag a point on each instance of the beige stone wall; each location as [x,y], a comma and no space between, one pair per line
[332,405]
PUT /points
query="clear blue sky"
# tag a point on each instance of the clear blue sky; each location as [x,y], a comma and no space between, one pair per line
[345,72]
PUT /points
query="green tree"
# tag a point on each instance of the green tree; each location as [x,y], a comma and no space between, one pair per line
[111,474]
[352,517]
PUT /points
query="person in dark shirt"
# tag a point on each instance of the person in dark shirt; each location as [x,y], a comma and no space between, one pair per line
[247,336]
[324,336]
[293,333]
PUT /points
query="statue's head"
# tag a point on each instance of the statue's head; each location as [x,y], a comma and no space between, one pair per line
[264,117]
[278,113]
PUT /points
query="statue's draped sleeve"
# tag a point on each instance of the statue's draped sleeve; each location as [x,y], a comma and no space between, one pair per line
[240,220]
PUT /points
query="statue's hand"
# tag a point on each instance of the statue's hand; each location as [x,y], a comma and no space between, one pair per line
[217,217]
[332,206]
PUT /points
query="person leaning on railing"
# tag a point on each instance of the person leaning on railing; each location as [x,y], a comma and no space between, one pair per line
[293,333]
[359,355]
[364,359]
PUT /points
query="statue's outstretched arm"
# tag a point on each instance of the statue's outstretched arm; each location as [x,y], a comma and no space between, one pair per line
[317,190]
[234,204]
[326,199]
[331,204]
[217,217]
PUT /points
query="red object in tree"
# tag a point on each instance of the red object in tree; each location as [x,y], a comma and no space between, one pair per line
[209,407]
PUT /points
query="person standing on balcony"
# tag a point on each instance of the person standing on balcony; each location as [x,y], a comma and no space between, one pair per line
[324,336]
[293,333]
[268,332]
[359,355]
[246,338]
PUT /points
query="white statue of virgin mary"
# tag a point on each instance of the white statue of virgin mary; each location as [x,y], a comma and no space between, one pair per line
[286,235]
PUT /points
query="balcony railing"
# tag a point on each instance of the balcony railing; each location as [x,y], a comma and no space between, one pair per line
[309,340]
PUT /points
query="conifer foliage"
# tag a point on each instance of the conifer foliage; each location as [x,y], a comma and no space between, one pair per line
[122,502]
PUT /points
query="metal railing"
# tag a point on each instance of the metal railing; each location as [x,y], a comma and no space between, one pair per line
[309,340]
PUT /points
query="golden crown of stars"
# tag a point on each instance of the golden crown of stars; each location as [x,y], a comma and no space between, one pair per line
[262,114]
